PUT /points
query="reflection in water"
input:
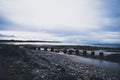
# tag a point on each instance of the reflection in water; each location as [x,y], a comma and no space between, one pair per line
[37,43]
[101,63]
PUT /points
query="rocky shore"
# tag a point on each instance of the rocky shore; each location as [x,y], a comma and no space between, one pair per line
[27,64]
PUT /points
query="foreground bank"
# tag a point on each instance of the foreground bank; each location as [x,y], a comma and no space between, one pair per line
[27,64]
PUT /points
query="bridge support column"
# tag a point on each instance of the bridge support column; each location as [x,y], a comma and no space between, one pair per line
[84,53]
[70,52]
[57,50]
[77,52]
[65,51]
[52,49]
[101,54]
[93,54]
[45,49]
[38,48]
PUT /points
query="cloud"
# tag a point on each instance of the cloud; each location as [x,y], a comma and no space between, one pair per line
[111,24]
[4,23]
[74,21]
[95,37]
[106,37]
[111,20]
[2,35]
[91,38]
[111,7]
[21,35]
[67,15]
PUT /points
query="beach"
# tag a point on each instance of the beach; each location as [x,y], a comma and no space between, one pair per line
[28,64]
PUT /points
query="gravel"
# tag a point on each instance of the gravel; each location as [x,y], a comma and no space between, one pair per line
[41,65]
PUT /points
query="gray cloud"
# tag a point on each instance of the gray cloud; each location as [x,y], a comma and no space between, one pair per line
[94,23]
[3,35]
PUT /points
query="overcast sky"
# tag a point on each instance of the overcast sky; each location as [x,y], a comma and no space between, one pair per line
[74,21]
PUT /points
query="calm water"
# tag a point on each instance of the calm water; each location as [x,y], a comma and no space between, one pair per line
[105,52]
[109,45]
[37,43]
[101,63]
[47,43]
[105,64]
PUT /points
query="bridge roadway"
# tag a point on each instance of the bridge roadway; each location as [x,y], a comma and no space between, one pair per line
[72,50]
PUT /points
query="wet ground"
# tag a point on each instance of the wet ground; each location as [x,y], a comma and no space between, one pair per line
[28,64]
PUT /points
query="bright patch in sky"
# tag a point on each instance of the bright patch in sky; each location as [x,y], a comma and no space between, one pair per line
[21,35]
[53,14]
[79,21]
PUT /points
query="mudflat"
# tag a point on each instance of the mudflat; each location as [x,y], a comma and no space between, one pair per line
[27,64]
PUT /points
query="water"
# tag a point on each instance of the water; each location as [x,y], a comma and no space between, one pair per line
[36,43]
[108,45]
[106,53]
[101,63]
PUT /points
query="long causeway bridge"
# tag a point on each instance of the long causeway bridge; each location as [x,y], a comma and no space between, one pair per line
[67,49]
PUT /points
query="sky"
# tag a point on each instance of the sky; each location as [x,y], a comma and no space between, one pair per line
[71,21]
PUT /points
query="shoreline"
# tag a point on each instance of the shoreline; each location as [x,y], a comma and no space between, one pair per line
[107,54]
[28,64]
[100,64]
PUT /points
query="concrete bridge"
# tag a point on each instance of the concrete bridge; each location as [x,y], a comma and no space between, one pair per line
[71,50]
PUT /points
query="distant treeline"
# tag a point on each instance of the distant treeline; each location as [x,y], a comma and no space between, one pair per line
[29,41]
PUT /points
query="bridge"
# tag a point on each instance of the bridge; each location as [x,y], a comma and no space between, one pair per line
[71,50]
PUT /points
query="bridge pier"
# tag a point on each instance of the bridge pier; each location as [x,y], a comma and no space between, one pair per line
[77,52]
[39,48]
[70,51]
[84,53]
[52,49]
[45,49]
[57,50]
[92,53]
[65,51]
[101,54]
